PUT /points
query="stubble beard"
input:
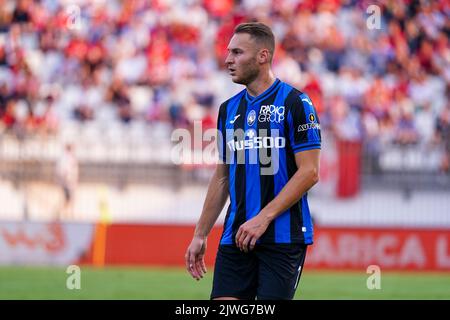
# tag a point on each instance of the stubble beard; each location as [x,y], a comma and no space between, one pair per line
[249,75]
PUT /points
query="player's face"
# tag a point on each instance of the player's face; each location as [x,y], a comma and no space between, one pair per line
[242,61]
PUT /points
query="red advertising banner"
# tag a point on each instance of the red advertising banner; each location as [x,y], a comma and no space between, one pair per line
[334,248]
[28,243]
[154,244]
[165,245]
[395,249]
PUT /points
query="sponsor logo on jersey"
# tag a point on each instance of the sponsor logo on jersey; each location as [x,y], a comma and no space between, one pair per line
[308,101]
[235,118]
[271,113]
[312,125]
[252,141]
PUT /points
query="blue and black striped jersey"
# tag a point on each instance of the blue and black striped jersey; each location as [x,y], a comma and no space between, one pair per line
[258,138]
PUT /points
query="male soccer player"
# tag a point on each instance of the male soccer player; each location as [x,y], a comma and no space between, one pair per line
[269,143]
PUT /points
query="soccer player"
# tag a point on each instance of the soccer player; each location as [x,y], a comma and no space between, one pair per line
[269,142]
[67,171]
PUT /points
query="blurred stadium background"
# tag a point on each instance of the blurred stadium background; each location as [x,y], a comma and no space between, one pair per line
[114,79]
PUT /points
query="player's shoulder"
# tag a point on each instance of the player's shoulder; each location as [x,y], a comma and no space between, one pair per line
[234,98]
[294,96]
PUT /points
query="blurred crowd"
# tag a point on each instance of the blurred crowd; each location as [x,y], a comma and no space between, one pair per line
[150,61]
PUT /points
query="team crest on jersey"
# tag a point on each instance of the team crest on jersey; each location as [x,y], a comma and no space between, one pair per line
[251,117]
[271,113]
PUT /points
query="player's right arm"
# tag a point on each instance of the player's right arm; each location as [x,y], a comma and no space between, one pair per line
[216,198]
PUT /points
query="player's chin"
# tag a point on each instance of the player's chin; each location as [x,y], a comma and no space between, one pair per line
[237,79]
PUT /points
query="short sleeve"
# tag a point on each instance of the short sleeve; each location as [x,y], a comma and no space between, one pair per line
[303,124]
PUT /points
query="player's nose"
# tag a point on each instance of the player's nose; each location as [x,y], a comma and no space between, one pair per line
[228,60]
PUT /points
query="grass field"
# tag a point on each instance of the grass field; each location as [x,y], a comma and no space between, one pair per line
[174,283]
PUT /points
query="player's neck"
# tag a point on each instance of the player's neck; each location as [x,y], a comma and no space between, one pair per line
[261,84]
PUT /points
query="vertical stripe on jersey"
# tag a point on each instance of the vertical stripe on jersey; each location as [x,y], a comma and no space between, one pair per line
[308,234]
[282,222]
[252,176]
[221,121]
[297,117]
[231,111]
[266,173]
[296,210]
[239,183]
[312,134]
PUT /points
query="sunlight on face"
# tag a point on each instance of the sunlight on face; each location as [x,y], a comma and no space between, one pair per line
[241,60]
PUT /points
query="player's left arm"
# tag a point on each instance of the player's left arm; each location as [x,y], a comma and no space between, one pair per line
[305,178]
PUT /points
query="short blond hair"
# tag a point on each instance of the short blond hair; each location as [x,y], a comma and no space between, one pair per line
[260,32]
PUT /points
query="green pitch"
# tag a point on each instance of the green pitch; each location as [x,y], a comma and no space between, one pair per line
[175,283]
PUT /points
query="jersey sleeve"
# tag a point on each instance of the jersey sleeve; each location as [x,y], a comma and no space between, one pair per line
[303,124]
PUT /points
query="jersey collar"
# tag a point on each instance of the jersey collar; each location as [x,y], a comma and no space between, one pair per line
[263,95]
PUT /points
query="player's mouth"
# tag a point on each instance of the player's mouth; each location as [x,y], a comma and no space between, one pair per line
[231,71]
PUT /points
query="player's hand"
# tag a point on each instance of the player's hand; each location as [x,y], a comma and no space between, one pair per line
[195,263]
[250,231]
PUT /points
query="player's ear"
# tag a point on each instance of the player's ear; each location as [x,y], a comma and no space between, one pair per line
[263,56]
